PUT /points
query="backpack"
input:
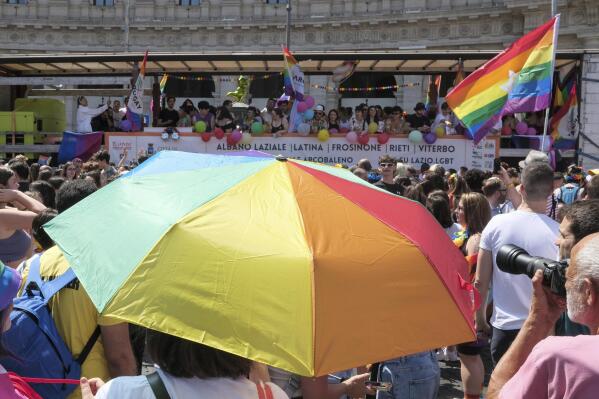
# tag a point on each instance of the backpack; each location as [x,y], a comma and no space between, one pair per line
[36,349]
[568,194]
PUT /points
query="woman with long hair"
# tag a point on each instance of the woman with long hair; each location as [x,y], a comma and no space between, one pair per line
[457,187]
[224,119]
[333,119]
[278,124]
[69,171]
[474,213]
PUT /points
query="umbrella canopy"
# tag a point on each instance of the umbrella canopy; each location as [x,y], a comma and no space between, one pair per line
[294,264]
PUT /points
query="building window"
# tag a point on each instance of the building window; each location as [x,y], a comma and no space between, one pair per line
[190,2]
[276,1]
[16,2]
[104,3]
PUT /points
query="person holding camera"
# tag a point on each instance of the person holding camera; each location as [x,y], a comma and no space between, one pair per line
[530,228]
[539,366]
[581,219]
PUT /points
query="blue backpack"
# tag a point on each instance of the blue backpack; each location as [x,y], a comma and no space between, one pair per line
[33,341]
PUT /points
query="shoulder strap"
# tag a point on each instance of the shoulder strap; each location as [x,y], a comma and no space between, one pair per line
[88,346]
[264,391]
[49,288]
[157,386]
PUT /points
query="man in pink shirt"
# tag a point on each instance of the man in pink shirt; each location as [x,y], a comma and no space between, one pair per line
[538,366]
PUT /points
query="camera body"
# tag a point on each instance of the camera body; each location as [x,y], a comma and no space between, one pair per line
[515,260]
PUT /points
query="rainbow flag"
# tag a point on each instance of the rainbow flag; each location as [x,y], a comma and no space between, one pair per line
[564,122]
[293,77]
[135,106]
[517,80]
[163,81]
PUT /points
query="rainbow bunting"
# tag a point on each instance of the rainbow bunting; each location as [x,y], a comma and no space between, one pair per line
[163,81]
[516,80]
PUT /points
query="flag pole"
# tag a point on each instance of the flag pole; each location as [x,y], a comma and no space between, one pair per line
[546,124]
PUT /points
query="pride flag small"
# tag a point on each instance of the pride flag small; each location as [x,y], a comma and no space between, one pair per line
[517,80]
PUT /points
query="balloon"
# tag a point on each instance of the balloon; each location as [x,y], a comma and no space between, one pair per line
[257,128]
[506,131]
[415,136]
[309,100]
[206,137]
[373,127]
[521,128]
[219,133]
[309,114]
[200,126]
[383,138]
[531,131]
[303,129]
[333,131]
[352,137]
[323,135]
[246,138]
[343,130]
[430,138]
[364,138]
[236,136]
[302,107]
[125,125]
[230,140]
[440,131]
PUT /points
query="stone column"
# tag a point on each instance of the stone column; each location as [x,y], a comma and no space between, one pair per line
[589,118]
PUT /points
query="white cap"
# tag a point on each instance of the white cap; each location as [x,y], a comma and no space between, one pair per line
[534,156]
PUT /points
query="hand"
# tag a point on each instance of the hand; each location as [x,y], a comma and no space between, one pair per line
[483,327]
[356,386]
[503,175]
[545,306]
[89,388]
[7,195]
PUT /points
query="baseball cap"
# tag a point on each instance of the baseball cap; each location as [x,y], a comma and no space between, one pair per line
[534,156]
[319,107]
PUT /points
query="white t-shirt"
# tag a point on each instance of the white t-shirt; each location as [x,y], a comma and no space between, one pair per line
[184,388]
[536,234]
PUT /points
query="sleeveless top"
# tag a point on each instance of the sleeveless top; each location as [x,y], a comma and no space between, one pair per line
[274,129]
[15,247]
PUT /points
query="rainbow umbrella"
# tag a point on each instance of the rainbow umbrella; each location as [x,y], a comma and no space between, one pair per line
[294,264]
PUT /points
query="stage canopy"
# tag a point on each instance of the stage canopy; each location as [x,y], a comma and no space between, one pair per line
[420,62]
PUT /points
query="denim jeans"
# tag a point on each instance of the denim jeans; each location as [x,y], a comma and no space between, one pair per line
[413,377]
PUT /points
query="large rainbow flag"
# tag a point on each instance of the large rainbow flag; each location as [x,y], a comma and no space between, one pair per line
[517,80]
[293,80]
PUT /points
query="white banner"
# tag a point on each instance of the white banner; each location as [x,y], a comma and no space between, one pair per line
[450,152]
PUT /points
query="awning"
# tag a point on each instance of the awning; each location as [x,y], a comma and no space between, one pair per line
[419,62]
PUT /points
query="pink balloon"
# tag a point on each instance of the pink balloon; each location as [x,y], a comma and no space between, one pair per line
[383,138]
[302,107]
[206,137]
[236,136]
[506,131]
[521,128]
[309,100]
[333,131]
[352,137]
[531,131]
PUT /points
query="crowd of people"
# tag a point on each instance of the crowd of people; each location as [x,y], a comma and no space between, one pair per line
[549,214]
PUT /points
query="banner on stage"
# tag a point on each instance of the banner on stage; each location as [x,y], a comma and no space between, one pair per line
[449,152]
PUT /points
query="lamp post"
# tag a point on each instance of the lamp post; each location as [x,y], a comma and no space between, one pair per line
[126,26]
[288,29]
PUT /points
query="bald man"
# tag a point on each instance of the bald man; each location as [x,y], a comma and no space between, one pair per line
[539,366]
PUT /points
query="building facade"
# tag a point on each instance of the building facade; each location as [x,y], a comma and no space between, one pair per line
[32,26]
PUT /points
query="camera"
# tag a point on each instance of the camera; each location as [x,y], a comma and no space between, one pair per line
[514,260]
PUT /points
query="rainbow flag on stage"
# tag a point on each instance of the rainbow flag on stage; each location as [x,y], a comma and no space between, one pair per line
[563,124]
[517,80]
[293,80]
[135,106]
[163,81]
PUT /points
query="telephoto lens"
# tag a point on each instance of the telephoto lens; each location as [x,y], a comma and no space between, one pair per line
[515,260]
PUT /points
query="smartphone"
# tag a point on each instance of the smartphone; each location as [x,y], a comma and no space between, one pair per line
[379,385]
